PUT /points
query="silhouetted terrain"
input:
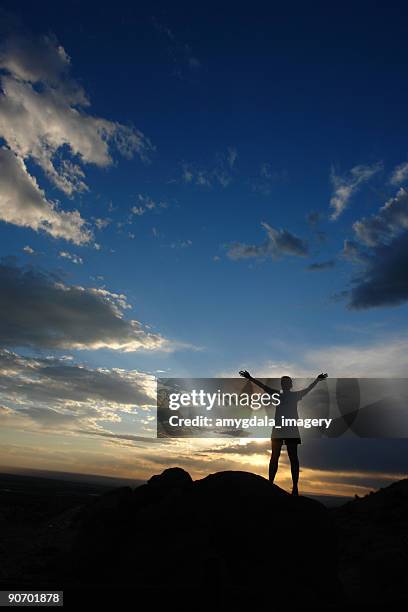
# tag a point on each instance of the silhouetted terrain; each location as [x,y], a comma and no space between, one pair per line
[35,524]
[373,545]
[230,530]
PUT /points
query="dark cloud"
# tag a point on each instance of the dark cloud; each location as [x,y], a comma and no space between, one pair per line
[58,381]
[38,310]
[55,395]
[49,418]
[322,265]
[386,224]
[381,250]
[384,281]
[277,244]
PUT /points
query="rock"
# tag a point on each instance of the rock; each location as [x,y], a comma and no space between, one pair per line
[230,530]
[172,477]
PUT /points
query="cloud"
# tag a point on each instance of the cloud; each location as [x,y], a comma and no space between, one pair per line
[277,244]
[386,356]
[124,437]
[345,187]
[71,257]
[55,394]
[51,378]
[42,112]
[384,281]
[146,203]
[29,250]
[38,310]
[102,223]
[23,203]
[399,174]
[391,219]
[381,248]
[37,59]
[322,265]
[345,455]
[43,119]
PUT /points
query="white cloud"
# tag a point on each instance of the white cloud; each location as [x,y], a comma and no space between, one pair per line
[344,187]
[146,203]
[382,358]
[102,223]
[399,174]
[23,203]
[71,257]
[138,210]
[37,122]
[43,119]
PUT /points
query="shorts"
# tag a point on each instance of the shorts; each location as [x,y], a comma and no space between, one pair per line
[288,440]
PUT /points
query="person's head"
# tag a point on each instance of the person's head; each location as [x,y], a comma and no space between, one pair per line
[286,383]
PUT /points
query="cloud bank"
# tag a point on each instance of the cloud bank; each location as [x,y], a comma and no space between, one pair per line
[54,394]
[38,310]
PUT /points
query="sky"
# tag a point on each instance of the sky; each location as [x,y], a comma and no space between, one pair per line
[189,191]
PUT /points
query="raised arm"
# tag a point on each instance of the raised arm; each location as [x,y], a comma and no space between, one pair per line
[305,391]
[247,375]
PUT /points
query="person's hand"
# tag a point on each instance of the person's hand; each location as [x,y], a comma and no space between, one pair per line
[322,376]
[244,373]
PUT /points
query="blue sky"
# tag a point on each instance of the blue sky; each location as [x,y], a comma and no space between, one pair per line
[234,197]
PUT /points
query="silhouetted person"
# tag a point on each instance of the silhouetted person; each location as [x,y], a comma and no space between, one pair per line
[288,434]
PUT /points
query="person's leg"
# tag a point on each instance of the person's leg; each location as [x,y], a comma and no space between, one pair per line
[294,465]
[273,464]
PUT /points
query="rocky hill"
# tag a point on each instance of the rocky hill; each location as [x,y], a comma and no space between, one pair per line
[228,530]
[373,545]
